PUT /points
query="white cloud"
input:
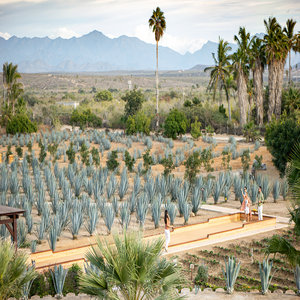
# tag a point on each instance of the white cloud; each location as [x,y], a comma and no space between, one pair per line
[64,33]
[177,43]
[5,35]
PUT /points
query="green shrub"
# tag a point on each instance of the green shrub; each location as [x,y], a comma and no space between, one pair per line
[192,166]
[71,154]
[245,158]
[19,151]
[147,160]
[43,152]
[202,275]
[103,95]
[85,118]
[129,161]
[134,100]
[20,124]
[281,136]
[207,159]
[112,163]
[168,165]
[175,124]
[250,132]
[196,129]
[95,156]
[138,123]
[84,152]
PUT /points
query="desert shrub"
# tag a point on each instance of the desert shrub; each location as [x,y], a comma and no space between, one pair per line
[291,100]
[222,111]
[192,166]
[52,148]
[134,100]
[250,132]
[245,158]
[103,95]
[20,124]
[112,163]
[226,157]
[43,152]
[207,159]
[281,136]
[71,154]
[168,165]
[187,103]
[202,275]
[95,156]
[129,161]
[84,153]
[138,123]
[148,161]
[85,118]
[19,151]
[175,124]
[196,129]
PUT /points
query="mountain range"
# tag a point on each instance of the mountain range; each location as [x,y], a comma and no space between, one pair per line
[95,52]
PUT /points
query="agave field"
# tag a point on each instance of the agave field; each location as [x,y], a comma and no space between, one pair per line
[74,184]
[250,255]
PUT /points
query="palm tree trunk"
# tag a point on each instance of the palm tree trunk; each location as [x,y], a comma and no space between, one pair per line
[290,68]
[278,90]
[272,87]
[258,92]
[157,92]
[242,96]
[229,108]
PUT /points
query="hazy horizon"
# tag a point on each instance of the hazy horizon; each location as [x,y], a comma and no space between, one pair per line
[190,23]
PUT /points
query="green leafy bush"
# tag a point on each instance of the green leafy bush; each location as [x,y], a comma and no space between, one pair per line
[85,118]
[168,165]
[71,154]
[147,161]
[112,163]
[250,132]
[202,275]
[207,159]
[19,151]
[175,124]
[20,124]
[192,166]
[138,123]
[134,100]
[95,156]
[281,136]
[196,129]
[245,158]
[103,95]
[129,161]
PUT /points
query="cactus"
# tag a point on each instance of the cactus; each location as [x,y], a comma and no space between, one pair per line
[115,205]
[142,208]
[109,217]
[137,184]
[297,279]
[58,277]
[265,275]
[171,208]
[217,191]
[266,189]
[52,237]
[276,190]
[21,233]
[231,272]
[156,211]
[76,219]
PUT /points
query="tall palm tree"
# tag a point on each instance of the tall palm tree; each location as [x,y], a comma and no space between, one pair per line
[158,24]
[220,72]
[11,84]
[257,61]
[241,65]
[276,50]
[130,269]
[14,273]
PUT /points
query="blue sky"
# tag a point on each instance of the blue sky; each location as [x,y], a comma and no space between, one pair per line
[190,23]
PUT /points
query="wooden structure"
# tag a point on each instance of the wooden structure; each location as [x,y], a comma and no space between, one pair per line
[9,217]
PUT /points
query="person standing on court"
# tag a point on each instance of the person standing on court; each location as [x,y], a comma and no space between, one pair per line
[260,203]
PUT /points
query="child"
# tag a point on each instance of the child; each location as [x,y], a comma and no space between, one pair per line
[246,205]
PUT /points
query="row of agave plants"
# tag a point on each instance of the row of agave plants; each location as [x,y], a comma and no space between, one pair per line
[68,198]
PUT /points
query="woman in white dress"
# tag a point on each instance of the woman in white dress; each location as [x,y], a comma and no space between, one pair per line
[167,229]
[246,205]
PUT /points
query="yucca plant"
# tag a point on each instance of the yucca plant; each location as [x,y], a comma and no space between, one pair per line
[142,208]
[123,187]
[21,233]
[265,275]
[52,237]
[76,221]
[186,210]
[266,188]
[285,189]
[156,212]
[231,272]
[124,215]
[109,217]
[276,190]
[115,205]
[58,275]
[132,203]
[217,191]
[92,218]
[196,196]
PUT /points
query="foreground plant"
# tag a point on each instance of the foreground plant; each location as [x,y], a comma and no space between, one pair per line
[58,277]
[14,274]
[231,272]
[130,269]
[265,275]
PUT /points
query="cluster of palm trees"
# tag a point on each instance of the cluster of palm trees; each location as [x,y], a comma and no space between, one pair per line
[252,56]
[12,87]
